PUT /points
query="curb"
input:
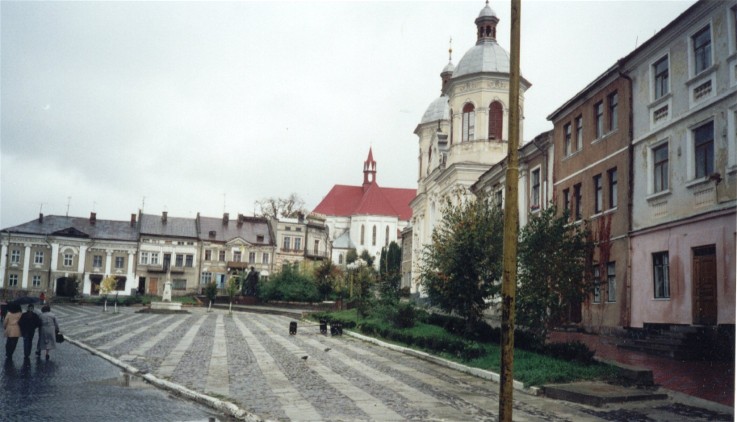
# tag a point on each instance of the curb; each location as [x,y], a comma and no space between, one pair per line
[480,373]
[225,407]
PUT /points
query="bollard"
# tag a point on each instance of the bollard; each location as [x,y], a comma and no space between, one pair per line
[336,329]
[323,327]
[293,328]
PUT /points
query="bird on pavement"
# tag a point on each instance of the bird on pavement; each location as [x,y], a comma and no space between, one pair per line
[327,349]
[304,357]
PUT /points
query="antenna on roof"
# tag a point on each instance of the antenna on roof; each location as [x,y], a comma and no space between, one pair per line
[41,208]
[223,202]
[143,202]
[69,201]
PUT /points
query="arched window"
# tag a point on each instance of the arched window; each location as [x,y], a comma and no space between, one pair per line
[451,126]
[386,239]
[363,232]
[469,118]
[429,159]
[496,114]
[373,236]
[340,258]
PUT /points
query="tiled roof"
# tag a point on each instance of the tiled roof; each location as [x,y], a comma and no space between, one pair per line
[78,227]
[345,201]
[248,229]
[174,226]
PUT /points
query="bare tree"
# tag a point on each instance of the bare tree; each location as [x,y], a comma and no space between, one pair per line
[289,207]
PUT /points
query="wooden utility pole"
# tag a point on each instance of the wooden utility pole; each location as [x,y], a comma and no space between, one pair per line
[511,224]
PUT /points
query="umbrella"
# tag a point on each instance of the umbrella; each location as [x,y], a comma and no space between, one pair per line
[26,300]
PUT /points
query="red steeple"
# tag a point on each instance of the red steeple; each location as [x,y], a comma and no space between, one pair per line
[369,170]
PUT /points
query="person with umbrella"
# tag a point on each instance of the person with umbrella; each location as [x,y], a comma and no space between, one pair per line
[28,323]
[12,329]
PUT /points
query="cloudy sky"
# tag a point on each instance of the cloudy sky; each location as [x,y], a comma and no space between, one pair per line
[208,107]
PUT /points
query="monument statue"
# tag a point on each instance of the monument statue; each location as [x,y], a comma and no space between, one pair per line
[167,291]
[249,284]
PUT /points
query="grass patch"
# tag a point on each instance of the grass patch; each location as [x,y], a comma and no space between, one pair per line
[531,368]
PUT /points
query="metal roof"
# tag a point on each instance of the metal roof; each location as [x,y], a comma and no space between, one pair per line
[55,225]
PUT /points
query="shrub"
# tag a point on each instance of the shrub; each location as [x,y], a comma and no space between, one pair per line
[573,350]
[405,316]
[289,285]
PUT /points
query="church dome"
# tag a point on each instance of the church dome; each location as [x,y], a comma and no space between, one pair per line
[437,110]
[449,68]
[486,56]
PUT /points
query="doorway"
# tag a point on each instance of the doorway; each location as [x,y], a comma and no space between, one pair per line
[153,286]
[705,285]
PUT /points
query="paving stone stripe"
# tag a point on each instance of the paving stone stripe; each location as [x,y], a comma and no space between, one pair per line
[172,360]
[143,348]
[128,336]
[217,374]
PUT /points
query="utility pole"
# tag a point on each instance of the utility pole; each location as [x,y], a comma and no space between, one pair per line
[511,224]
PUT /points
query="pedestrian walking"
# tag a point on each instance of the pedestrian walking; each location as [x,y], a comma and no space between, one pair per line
[42,298]
[12,329]
[47,332]
[28,323]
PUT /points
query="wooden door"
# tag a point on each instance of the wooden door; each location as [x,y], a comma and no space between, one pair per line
[153,286]
[705,286]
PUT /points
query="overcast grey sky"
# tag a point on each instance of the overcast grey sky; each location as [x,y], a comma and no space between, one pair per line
[209,106]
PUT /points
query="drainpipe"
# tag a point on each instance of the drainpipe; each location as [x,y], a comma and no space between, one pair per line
[626,321]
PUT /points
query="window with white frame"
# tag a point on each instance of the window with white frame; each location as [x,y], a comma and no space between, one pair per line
[468,123]
[237,254]
[660,168]
[221,256]
[701,43]
[599,119]
[386,237]
[597,284]
[598,194]
[13,280]
[363,233]
[36,281]
[578,206]
[144,258]
[297,243]
[119,262]
[15,256]
[535,188]
[68,260]
[373,236]
[179,284]
[613,104]
[340,258]
[661,85]
[265,258]
[189,260]
[38,258]
[208,254]
[611,281]
[703,143]
[613,191]
[567,200]
[661,280]
[97,261]
[316,248]
[206,277]
[178,260]
[567,148]
[154,258]
[579,133]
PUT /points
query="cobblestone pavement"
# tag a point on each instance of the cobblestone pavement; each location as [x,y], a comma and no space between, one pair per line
[251,360]
[74,385]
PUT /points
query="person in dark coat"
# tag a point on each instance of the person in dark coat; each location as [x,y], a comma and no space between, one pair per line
[12,330]
[28,323]
[47,332]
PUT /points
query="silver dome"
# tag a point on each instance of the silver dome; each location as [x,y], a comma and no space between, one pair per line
[486,56]
[450,67]
[437,110]
[487,11]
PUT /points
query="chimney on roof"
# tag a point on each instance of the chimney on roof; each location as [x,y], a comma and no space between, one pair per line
[226,217]
[93,218]
[163,216]
[212,233]
[133,220]
[241,219]
[41,217]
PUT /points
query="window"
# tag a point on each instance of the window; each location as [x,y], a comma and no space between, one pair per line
[567,142]
[612,101]
[39,258]
[179,284]
[221,256]
[386,237]
[599,119]
[535,189]
[178,260]
[567,200]
[189,260]
[496,114]
[15,256]
[660,83]
[577,198]
[265,258]
[598,194]
[251,257]
[68,259]
[579,133]
[363,230]
[660,168]
[237,254]
[661,281]
[13,280]
[36,281]
[499,198]
[468,123]
[119,262]
[611,281]
[144,258]
[597,285]
[316,248]
[260,238]
[297,243]
[208,254]
[702,49]
[429,158]
[703,150]
[97,261]
[373,236]
[613,192]
[154,258]
[206,277]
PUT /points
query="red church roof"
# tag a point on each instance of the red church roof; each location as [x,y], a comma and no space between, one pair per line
[368,199]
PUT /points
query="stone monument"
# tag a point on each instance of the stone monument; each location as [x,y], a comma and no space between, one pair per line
[166,304]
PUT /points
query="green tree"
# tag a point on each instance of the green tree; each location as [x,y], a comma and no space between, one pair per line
[326,278]
[107,286]
[552,260]
[231,289]
[366,256]
[351,256]
[362,278]
[289,285]
[462,265]
[211,291]
[292,207]
[390,275]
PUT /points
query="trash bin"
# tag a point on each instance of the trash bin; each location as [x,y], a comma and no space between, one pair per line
[336,329]
[293,328]
[323,327]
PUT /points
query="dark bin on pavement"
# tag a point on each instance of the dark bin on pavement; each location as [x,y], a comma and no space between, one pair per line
[293,328]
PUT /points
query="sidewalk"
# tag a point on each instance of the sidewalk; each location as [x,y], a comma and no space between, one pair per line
[713,381]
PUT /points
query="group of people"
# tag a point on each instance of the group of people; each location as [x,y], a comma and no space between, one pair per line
[24,324]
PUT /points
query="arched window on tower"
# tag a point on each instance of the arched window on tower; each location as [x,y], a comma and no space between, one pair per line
[363,232]
[451,126]
[373,236]
[469,118]
[429,159]
[386,238]
[496,115]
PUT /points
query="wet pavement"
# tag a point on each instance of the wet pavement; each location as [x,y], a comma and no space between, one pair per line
[713,381]
[74,385]
[250,360]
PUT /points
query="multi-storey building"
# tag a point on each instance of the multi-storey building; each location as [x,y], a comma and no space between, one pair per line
[366,217]
[227,246]
[46,254]
[684,191]
[591,139]
[168,251]
[464,131]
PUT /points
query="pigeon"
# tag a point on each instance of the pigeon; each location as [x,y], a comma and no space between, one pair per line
[304,357]
[327,350]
